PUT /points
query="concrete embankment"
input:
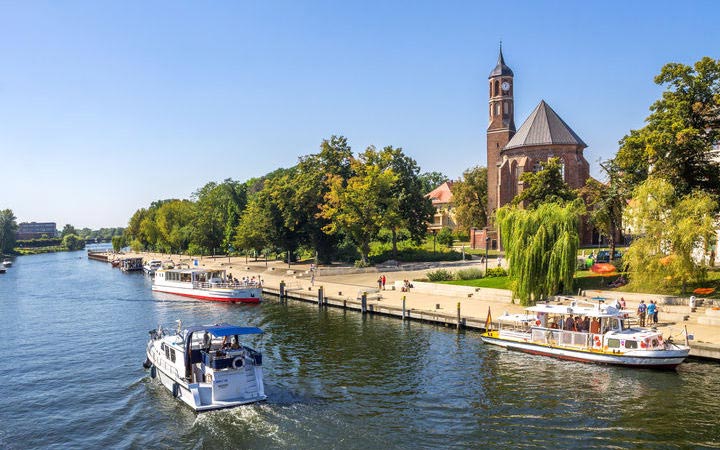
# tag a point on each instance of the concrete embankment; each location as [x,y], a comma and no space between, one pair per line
[445,305]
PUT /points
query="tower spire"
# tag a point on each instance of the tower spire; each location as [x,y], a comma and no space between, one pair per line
[501,68]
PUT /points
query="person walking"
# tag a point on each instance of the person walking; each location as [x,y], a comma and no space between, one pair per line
[383,282]
[379,283]
[641,312]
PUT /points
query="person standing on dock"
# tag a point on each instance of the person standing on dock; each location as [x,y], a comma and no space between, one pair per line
[641,311]
[383,282]
[379,282]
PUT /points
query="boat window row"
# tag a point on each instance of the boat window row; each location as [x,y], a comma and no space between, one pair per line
[169,352]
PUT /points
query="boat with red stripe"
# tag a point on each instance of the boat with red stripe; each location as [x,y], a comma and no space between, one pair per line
[207,284]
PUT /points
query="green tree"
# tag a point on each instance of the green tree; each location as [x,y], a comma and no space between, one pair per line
[355,208]
[253,231]
[669,229]
[174,223]
[544,186]
[118,242]
[8,231]
[431,180]
[408,208]
[445,237]
[73,242]
[541,248]
[470,199]
[218,210]
[300,193]
[605,206]
[68,229]
[677,141]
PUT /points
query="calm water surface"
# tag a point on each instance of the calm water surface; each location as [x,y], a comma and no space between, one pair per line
[73,337]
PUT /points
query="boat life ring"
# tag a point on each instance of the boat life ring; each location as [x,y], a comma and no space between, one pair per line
[537,322]
[238,362]
[597,342]
[176,390]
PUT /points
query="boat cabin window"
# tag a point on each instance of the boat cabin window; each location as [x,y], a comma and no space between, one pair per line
[631,344]
[167,352]
[613,343]
[172,354]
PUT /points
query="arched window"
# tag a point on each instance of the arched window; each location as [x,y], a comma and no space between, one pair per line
[497,109]
[497,87]
[505,108]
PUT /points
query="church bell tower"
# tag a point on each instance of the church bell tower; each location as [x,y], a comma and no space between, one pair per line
[501,126]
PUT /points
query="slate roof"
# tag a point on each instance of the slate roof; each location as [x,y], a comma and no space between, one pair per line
[544,127]
[501,68]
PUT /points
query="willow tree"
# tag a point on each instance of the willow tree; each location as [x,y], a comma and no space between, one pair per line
[541,248]
[674,235]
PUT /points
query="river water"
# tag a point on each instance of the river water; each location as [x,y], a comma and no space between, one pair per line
[73,337]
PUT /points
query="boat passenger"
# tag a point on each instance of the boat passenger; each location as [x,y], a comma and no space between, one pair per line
[586,324]
[595,326]
[235,345]
[569,324]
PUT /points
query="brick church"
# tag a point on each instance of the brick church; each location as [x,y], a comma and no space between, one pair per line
[512,152]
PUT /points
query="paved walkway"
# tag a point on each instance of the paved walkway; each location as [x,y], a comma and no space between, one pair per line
[347,282]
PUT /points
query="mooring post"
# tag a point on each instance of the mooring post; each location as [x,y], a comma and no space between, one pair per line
[459,323]
[320,296]
[363,303]
[403,313]
[282,289]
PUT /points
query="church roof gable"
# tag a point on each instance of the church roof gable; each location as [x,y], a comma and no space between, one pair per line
[544,127]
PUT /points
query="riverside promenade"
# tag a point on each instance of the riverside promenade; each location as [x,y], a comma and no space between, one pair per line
[447,305]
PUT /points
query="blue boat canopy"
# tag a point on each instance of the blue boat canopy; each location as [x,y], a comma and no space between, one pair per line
[225,329]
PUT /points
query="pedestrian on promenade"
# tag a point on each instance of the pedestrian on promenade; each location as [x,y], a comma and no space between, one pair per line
[383,282]
[651,309]
[379,283]
[641,311]
[312,279]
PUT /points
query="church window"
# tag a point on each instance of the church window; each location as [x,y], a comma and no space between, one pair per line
[537,166]
[497,87]
[505,108]
[497,109]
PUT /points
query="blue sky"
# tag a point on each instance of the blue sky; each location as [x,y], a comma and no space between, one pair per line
[107,106]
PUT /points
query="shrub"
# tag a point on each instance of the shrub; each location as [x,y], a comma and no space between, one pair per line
[445,237]
[469,274]
[496,272]
[440,275]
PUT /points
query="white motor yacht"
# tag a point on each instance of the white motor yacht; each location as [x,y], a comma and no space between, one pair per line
[206,366]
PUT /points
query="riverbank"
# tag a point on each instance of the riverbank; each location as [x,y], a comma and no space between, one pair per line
[448,305]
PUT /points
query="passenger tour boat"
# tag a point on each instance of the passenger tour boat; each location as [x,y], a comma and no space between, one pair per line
[595,333]
[206,366]
[206,284]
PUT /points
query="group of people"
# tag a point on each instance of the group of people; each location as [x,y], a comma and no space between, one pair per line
[406,286]
[381,282]
[578,324]
[245,281]
[647,313]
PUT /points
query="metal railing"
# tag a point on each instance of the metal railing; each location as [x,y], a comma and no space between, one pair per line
[214,285]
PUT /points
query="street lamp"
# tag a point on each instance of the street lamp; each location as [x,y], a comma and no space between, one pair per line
[434,232]
[487,244]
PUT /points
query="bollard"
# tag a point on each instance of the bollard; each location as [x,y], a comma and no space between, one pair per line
[363,303]
[282,290]
[320,296]
[403,312]
[458,317]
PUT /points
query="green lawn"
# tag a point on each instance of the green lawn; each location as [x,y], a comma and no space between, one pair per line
[492,282]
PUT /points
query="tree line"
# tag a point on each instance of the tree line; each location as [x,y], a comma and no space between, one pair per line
[332,204]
